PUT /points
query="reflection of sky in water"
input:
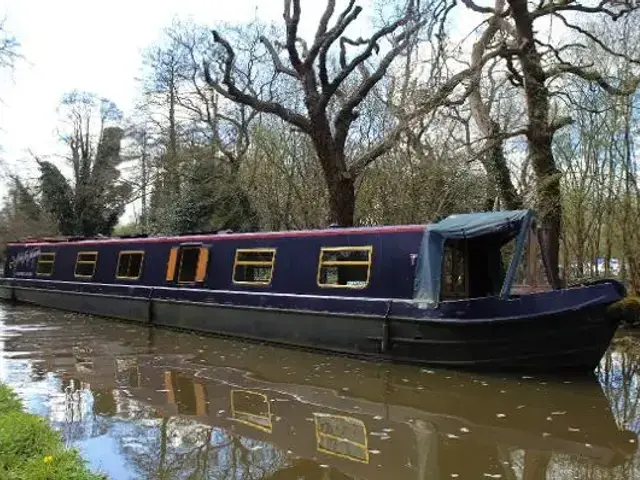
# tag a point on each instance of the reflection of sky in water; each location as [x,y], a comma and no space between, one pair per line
[127,445]
[96,387]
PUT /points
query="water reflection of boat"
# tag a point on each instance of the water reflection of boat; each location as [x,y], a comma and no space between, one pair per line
[473,420]
[358,418]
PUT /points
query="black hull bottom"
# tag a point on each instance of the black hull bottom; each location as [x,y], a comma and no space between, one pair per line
[574,340]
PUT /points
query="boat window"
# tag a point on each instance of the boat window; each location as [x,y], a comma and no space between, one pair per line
[252,409]
[341,436]
[86,264]
[345,267]
[530,275]
[254,266]
[189,257]
[129,265]
[454,272]
[45,264]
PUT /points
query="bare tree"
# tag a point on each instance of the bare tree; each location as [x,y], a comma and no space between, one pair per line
[161,92]
[221,124]
[539,64]
[330,110]
[8,47]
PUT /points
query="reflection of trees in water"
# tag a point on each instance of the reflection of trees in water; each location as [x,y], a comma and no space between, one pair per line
[72,411]
[180,448]
[566,466]
[619,374]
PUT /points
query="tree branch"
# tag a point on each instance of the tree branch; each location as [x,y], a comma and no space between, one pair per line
[292,21]
[477,8]
[560,122]
[571,5]
[235,94]
[438,98]
[324,21]
[378,150]
[345,115]
[322,36]
[595,39]
[372,44]
[590,76]
[275,58]
[345,19]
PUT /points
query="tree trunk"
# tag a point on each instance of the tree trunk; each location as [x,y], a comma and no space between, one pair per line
[144,184]
[341,186]
[342,201]
[498,170]
[172,167]
[493,161]
[540,136]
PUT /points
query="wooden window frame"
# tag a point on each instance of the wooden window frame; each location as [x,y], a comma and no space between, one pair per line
[338,263]
[181,250]
[78,261]
[254,263]
[130,252]
[52,262]
[171,270]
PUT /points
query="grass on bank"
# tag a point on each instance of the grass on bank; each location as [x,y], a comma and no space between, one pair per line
[31,450]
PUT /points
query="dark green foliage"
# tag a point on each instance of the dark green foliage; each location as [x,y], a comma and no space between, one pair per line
[210,198]
[100,199]
[57,197]
[93,202]
[23,200]
[22,216]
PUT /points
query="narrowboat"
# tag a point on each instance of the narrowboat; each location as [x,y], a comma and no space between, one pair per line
[464,292]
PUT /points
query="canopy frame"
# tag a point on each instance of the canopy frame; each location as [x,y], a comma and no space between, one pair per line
[490,230]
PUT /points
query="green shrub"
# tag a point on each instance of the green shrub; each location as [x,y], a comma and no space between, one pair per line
[23,436]
[9,401]
[65,464]
[31,450]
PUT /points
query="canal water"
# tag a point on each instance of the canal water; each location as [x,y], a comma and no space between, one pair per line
[145,403]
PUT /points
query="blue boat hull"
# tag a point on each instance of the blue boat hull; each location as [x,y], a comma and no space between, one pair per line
[564,329]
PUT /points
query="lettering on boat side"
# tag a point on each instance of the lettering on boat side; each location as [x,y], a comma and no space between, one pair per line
[23,263]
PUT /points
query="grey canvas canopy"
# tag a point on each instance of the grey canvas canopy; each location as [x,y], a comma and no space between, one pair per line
[484,235]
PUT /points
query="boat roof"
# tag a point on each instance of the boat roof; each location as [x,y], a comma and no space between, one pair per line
[493,228]
[223,235]
[472,225]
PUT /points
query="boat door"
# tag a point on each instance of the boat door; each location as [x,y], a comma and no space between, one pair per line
[188,264]
[455,271]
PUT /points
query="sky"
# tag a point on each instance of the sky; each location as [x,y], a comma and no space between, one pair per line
[96,47]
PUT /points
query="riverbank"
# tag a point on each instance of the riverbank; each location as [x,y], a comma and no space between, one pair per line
[31,449]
